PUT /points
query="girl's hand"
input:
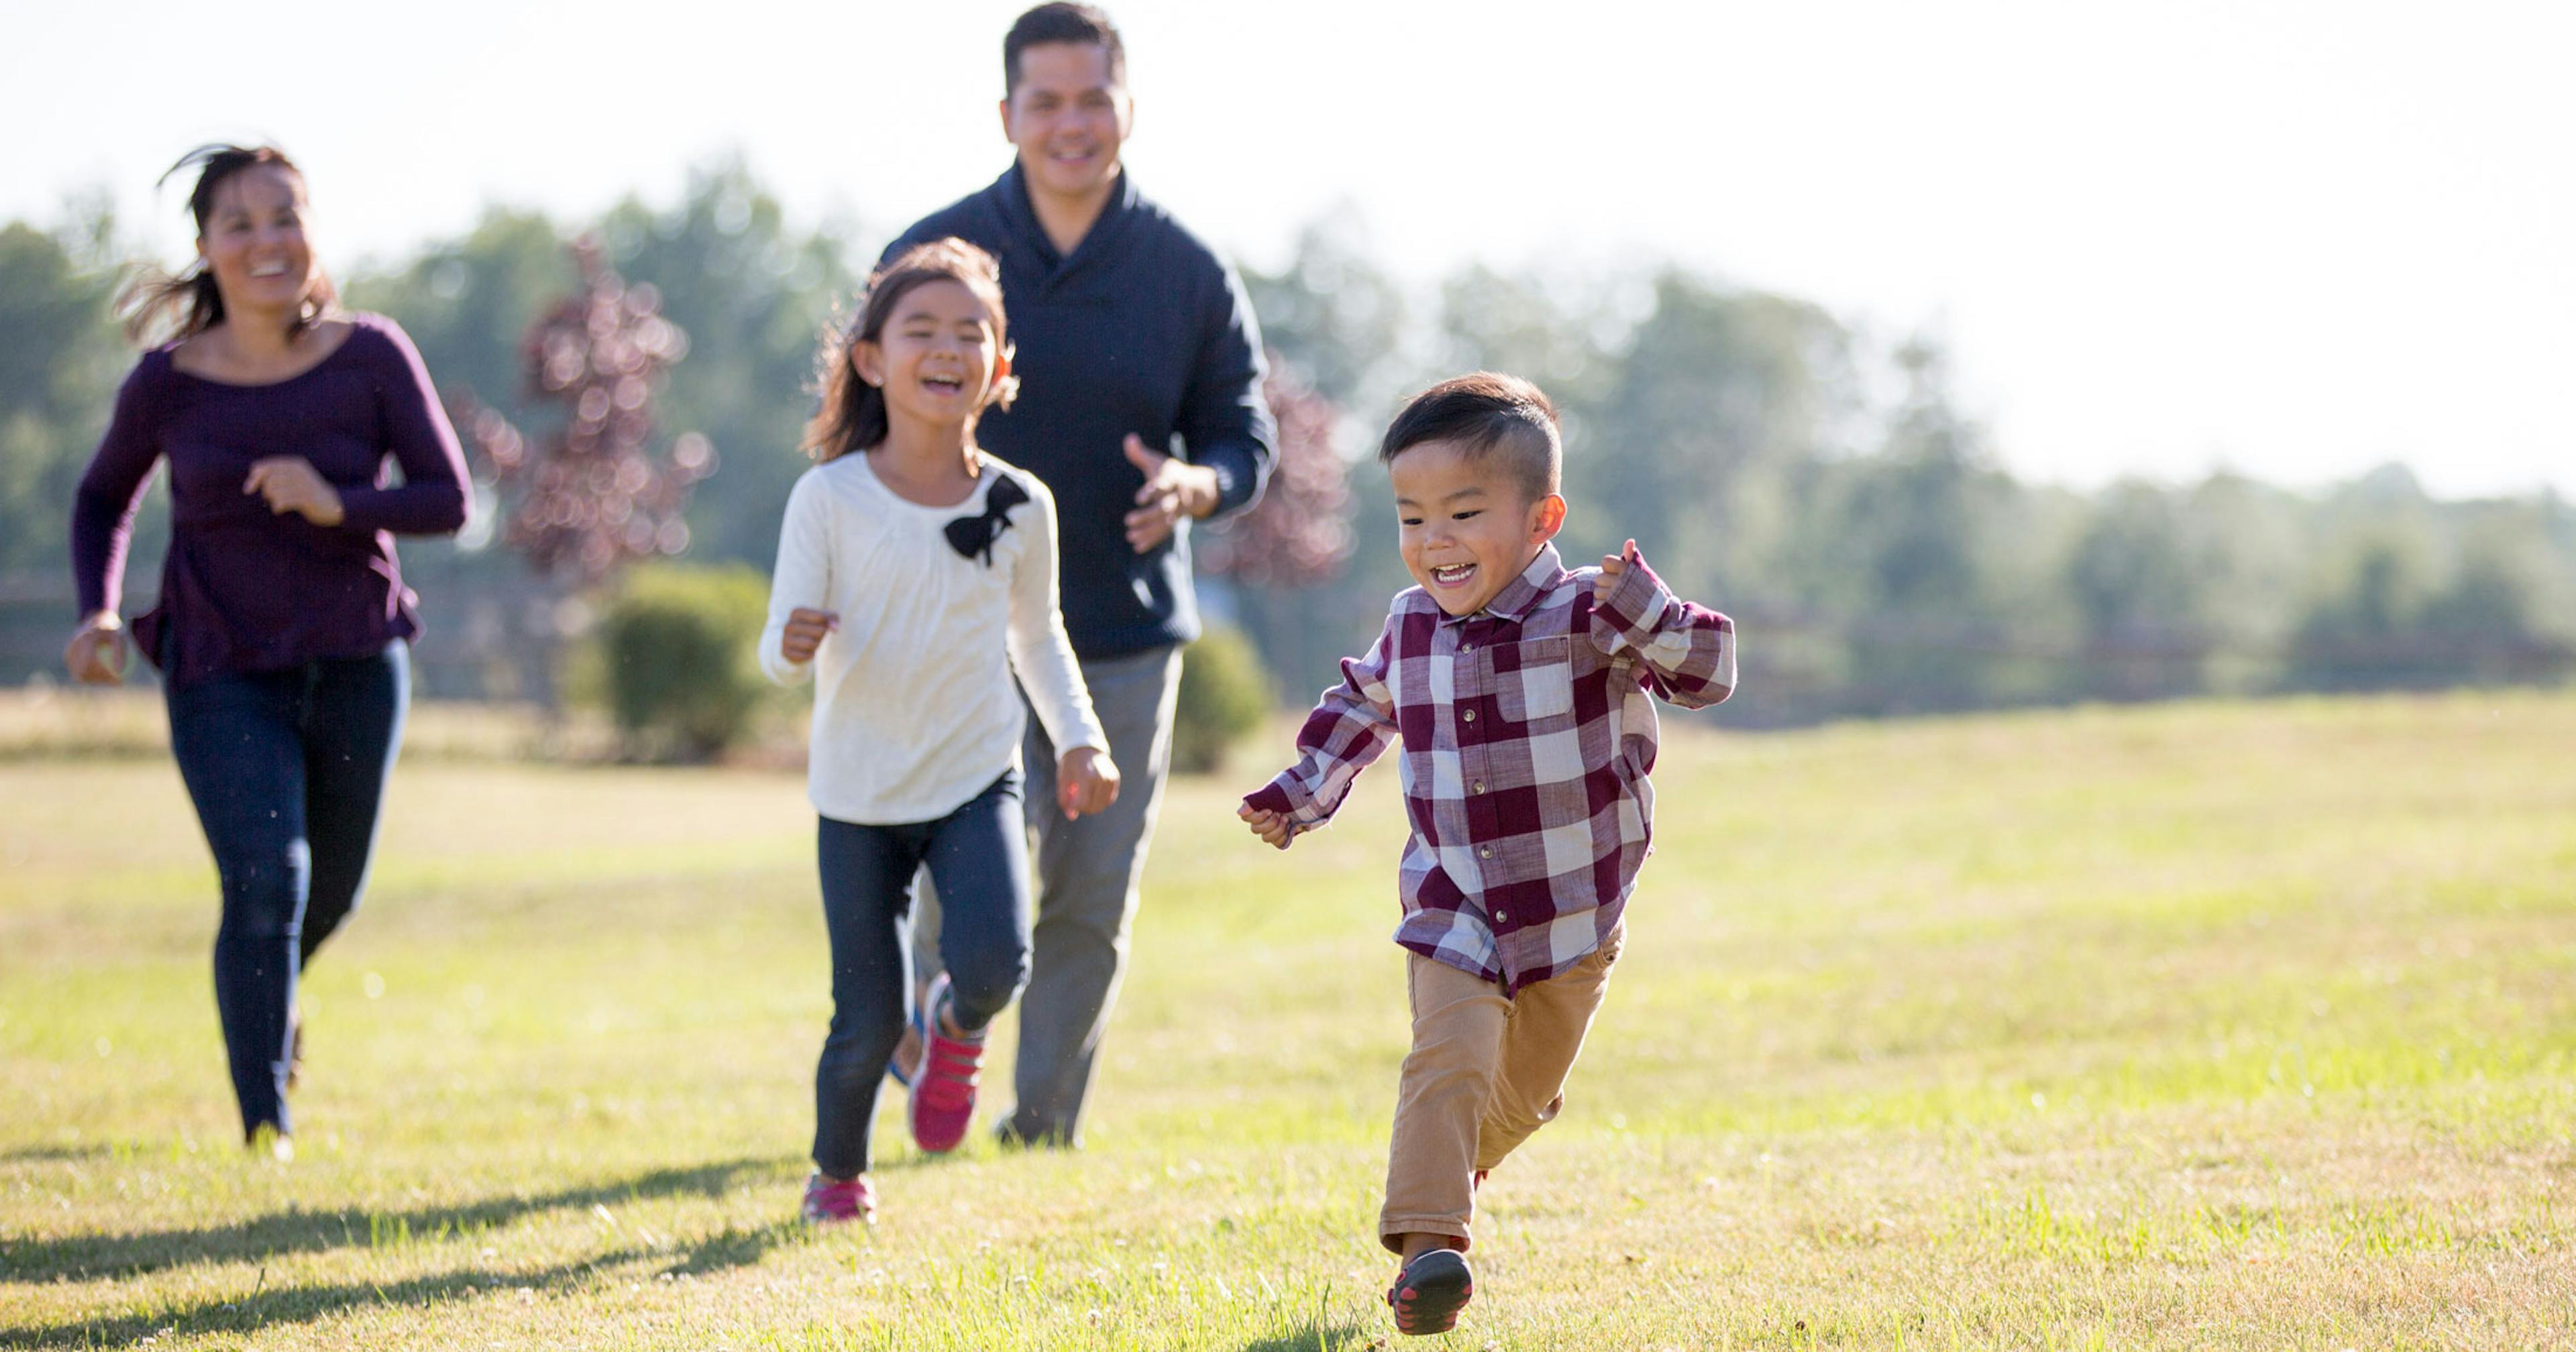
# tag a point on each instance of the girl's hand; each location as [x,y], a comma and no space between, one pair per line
[1611,568]
[1086,780]
[804,633]
[1271,826]
[291,484]
[96,654]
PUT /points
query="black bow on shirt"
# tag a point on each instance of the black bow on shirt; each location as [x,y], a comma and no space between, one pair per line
[973,535]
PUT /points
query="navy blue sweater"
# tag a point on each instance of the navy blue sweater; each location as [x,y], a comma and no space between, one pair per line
[1144,330]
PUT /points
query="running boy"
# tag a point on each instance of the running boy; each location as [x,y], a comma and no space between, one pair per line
[1520,690]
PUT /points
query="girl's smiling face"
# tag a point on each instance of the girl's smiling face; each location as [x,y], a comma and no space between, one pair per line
[939,358]
[1466,529]
[253,241]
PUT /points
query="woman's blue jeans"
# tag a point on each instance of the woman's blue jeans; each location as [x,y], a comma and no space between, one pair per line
[287,769]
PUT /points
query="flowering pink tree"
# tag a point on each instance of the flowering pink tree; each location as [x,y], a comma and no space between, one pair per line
[1299,534]
[590,496]
[1269,570]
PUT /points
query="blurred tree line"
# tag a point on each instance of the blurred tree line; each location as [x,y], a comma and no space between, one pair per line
[1815,479]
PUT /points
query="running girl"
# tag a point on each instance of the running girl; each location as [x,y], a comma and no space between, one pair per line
[916,576]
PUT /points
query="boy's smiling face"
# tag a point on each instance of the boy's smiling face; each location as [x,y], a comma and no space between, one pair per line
[1467,528]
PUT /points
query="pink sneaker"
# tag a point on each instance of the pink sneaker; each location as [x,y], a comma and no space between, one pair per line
[943,1089]
[830,1203]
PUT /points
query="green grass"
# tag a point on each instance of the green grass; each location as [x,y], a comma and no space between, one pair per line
[2204,1025]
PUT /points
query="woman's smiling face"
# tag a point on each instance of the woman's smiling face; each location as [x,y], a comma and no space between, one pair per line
[253,241]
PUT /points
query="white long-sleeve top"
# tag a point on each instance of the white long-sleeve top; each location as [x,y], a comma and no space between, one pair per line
[914,708]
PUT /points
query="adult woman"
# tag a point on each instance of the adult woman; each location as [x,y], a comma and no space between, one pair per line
[282,622]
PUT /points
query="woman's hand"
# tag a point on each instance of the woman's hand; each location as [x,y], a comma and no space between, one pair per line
[1272,827]
[803,636]
[291,484]
[1086,781]
[96,654]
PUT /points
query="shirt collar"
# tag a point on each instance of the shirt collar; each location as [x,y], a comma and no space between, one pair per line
[1522,594]
[1013,188]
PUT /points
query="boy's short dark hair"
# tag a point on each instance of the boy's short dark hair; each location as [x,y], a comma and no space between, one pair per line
[1060,22]
[1487,413]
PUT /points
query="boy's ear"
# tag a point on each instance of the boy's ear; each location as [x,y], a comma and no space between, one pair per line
[1547,517]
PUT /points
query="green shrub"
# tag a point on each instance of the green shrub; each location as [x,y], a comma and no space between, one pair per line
[1225,694]
[675,659]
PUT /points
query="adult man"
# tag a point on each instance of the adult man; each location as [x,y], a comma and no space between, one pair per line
[1130,333]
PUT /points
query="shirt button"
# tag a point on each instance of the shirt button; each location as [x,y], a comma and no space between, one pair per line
[1470,715]
[1486,852]
[1503,917]
[1466,647]
[1480,786]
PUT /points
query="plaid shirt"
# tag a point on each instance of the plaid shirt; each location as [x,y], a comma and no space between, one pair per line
[1527,737]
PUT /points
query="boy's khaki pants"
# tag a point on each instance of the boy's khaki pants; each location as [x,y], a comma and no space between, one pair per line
[1485,1071]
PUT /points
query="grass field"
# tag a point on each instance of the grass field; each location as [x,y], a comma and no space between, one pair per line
[2192,1026]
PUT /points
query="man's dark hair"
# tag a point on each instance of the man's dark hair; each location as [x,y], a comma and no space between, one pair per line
[1060,22]
[1486,414]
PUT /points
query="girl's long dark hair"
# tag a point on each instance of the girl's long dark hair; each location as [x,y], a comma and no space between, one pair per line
[173,306]
[853,413]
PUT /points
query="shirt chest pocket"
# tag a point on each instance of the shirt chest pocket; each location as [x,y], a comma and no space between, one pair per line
[1534,681]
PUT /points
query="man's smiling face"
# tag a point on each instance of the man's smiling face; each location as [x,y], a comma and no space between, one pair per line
[1068,114]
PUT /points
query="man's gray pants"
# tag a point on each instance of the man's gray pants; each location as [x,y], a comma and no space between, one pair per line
[1088,873]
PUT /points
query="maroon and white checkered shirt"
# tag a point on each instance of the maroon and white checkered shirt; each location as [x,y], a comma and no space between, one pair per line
[1527,737]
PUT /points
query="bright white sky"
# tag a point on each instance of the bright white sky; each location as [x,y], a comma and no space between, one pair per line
[2294,239]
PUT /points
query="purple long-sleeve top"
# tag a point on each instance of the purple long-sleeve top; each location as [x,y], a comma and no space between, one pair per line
[244,588]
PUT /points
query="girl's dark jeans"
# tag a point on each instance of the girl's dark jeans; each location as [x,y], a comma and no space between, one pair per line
[978,859]
[286,769]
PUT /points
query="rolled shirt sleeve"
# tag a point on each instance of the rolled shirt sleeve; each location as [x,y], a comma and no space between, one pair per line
[1685,652]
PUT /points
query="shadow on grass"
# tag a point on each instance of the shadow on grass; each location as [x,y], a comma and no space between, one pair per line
[1342,1337]
[55,1154]
[733,1248]
[86,1257]
[265,1308]
[268,1308]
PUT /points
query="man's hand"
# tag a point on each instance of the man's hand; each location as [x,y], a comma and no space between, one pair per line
[291,484]
[1174,488]
[96,654]
[1271,826]
[1611,568]
[1086,781]
[804,633]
